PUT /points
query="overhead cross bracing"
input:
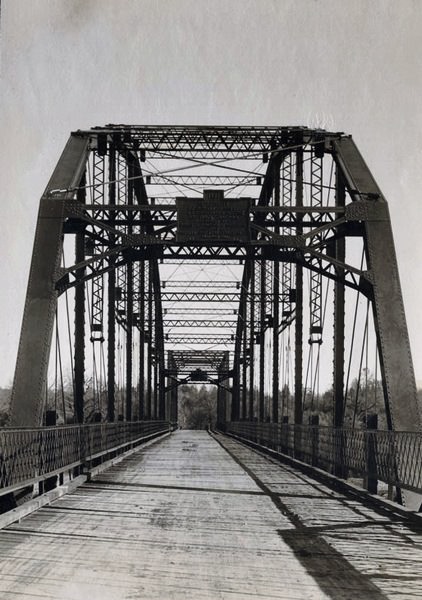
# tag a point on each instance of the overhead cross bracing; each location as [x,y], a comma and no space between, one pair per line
[147,236]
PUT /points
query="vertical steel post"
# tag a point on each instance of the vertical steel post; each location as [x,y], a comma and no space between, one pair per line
[111,299]
[314,423]
[371,479]
[244,368]
[174,390]
[276,310]
[79,349]
[160,397]
[155,370]
[252,344]
[276,344]
[149,343]
[142,340]
[222,394]
[339,306]
[155,334]
[262,298]
[129,339]
[129,303]
[239,361]
[299,298]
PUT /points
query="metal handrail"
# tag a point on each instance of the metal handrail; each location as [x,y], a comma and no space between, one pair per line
[30,455]
[394,457]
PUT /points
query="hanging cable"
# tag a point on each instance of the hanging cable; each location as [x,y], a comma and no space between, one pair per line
[353,339]
[366,366]
[315,383]
[61,375]
[360,368]
[308,369]
[95,379]
[56,364]
[103,378]
[197,164]
[376,378]
[95,376]
[46,401]
[69,333]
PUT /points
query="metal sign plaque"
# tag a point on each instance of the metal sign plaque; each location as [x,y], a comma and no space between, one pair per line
[213,218]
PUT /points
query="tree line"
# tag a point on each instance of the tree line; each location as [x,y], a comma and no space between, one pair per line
[197,405]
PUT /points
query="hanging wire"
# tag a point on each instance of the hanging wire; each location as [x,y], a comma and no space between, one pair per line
[221,162]
[330,187]
[61,372]
[360,368]
[56,363]
[376,377]
[122,362]
[95,376]
[313,366]
[69,333]
[46,400]
[197,163]
[289,366]
[353,339]
[118,358]
[308,369]
[282,370]
[315,383]
[104,378]
[366,366]
[176,186]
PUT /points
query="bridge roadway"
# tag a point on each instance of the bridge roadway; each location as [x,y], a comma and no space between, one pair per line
[201,518]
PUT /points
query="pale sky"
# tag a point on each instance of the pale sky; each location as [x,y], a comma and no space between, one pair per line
[70,64]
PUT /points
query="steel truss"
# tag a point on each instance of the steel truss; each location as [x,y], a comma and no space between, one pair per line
[199,339]
[105,193]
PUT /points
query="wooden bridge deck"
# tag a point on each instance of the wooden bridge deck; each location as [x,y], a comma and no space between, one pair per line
[202,518]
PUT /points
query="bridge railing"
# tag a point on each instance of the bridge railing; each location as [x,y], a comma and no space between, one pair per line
[392,457]
[28,456]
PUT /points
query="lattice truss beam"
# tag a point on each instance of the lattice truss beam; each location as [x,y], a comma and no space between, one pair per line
[209,236]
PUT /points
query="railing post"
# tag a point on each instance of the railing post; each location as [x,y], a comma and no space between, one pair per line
[391,461]
[49,454]
[7,501]
[338,452]
[284,432]
[314,423]
[371,479]
[298,441]
[273,429]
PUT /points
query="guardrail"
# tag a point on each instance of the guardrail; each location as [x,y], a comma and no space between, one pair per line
[28,456]
[392,457]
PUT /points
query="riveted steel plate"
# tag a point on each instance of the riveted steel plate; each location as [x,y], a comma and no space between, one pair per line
[213,219]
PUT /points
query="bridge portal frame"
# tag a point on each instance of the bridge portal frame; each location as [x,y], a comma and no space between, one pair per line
[62,208]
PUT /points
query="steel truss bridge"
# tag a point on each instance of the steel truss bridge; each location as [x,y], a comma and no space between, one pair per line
[258,260]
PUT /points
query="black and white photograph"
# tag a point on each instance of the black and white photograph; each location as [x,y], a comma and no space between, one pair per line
[210,307]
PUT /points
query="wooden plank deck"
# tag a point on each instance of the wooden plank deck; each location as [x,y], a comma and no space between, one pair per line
[192,517]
